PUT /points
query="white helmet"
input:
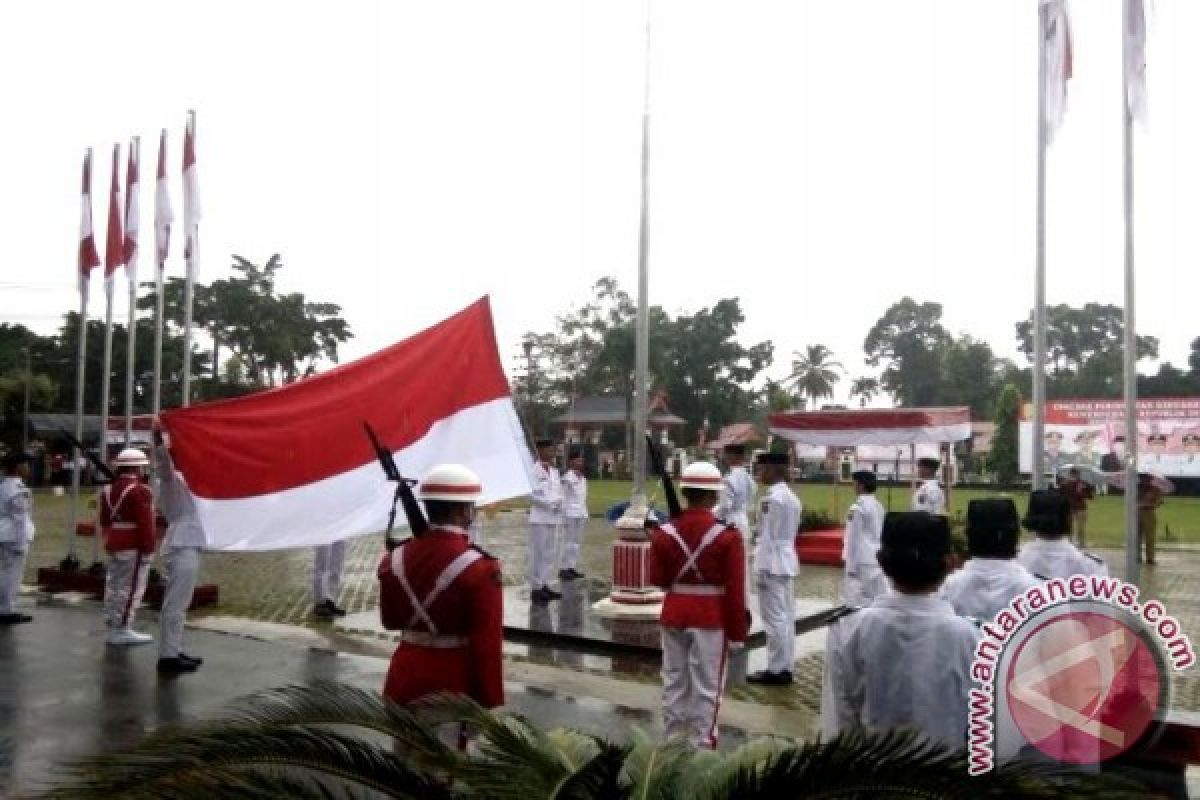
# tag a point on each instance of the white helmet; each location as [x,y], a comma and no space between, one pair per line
[131,457]
[450,483]
[701,475]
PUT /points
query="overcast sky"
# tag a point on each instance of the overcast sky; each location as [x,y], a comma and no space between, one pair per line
[819,160]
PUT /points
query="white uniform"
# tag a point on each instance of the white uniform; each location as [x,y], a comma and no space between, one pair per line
[985,585]
[775,568]
[1058,558]
[545,515]
[16,532]
[575,514]
[181,551]
[929,497]
[737,494]
[328,562]
[904,662]
[864,579]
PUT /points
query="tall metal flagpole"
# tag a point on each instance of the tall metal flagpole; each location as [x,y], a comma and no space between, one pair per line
[76,453]
[191,247]
[131,203]
[1132,547]
[161,262]
[1037,442]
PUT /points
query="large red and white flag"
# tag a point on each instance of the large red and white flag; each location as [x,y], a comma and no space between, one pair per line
[132,213]
[114,243]
[1135,58]
[1058,62]
[292,467]
[163,215]
[89,259]
[191,191]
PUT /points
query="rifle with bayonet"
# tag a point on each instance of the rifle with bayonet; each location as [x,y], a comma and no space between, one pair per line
[404,493]
[104,470]
[656,463]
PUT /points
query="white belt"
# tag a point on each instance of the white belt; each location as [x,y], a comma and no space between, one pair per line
[701,589]
[123,526]
[440,641]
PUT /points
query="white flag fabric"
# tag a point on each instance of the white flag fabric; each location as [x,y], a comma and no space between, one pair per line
[1135,58]
[163,214]
[132,212]
[89,258]
[191,192]
[1057,58]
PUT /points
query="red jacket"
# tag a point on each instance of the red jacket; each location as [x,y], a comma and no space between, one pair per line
[722,564]
[127,515]
[471,608]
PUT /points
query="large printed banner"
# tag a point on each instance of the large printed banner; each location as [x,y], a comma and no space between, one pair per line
[1092,433]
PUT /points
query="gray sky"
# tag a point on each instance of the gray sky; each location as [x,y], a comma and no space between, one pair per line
[817,159]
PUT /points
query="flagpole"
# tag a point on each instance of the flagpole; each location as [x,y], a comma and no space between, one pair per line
[131,276]
[191,245]
[80,370]
[1132,545]
[1038,437]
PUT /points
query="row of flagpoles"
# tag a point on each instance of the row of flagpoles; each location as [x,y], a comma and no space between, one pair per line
[122,250]
[1054,71]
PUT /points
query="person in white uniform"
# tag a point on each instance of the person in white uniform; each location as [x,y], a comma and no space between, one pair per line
[864,580]
[181,555]
[775,569]
[545,515]
[16,533]
[575,514]
[737,491]
[905,661]
[928,496]
[992,577]
[329,561]
[1052,554]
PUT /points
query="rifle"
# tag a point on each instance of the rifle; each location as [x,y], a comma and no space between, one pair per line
[673,507]
[97,462]
[404,494]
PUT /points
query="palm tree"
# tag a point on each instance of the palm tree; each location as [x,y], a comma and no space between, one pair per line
[865,390]
[813,373]
[304,742]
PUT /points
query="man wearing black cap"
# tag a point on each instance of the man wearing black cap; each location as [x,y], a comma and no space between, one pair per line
[737,492]
[545,515]
[1051,554]
[775,569]
[16,532]
[991,578]
[928,495]
[904,662]
[864,579]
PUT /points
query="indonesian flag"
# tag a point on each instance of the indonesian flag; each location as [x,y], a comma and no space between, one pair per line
[132,213]
[191,191]
[292,467]
[163,215]
[1057,58]
[114,243]
[1135,58]
[89,259]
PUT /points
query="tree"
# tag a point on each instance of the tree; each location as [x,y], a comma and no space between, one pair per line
[814,373]
[1002,459]
[776,397]
[908,341]
[970,373]
[865,390]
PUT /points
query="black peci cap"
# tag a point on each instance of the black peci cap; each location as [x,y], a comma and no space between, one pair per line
[928,463]
[1048,513]
[778,459]
[866,477]
[992,526]
[923,536]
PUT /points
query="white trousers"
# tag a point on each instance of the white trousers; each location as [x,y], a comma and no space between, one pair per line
[541,554]
[694,661]
[183,567]
[777,605]
[863,585]
[12,568]
[328,561]
[571,541]
[124,585]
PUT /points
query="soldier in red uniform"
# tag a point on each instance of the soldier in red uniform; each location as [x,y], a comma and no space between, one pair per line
[446,596]
[700,562]
[130,537]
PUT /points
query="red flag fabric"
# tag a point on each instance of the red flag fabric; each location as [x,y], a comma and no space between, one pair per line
[191,192]
[89,259]
[114,243]
[163,215]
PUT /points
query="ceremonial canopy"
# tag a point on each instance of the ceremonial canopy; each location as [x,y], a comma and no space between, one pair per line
[890,426]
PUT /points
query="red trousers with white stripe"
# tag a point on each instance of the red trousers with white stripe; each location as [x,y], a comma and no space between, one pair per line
[694,661]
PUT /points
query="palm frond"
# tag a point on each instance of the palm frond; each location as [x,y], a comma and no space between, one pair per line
[600,777]
[655,771]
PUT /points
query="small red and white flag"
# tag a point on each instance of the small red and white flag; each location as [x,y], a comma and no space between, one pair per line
[1135,58]
[132,212]
[163,214]
[114,243]
[292,467]
[1057,60]
[191,191]
[89,259]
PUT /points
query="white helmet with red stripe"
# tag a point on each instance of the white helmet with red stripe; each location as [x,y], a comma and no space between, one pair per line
[701,475]
[450,483]
[131,457]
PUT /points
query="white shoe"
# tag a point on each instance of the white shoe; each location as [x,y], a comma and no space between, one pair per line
[126,637]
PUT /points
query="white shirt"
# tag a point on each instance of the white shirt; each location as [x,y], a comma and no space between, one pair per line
[737,493]
[16,512]
[864,530]
[574,488]
[547,495]
[985,585]
[778,521]
[902,662]
[1058,558]
[177,505]
[929,497]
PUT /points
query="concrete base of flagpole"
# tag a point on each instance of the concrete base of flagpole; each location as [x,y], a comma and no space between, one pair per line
[648,610]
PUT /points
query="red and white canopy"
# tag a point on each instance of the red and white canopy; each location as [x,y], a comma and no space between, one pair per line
[885,426]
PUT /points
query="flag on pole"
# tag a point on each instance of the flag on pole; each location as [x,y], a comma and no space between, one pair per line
[132,214]
[114,244]
[292,467]
[191,190]
[1135,58]
[1057,56]
[89,259]
[163,215]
